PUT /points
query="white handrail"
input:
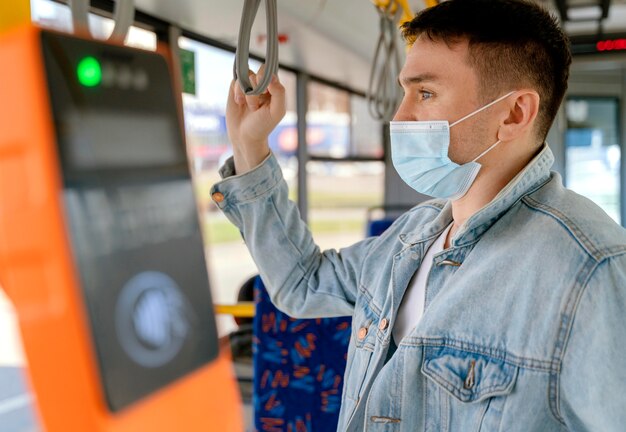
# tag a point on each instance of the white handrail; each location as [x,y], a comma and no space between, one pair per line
[123,16]
[242,55]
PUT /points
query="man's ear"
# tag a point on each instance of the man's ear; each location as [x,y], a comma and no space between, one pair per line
[522,115]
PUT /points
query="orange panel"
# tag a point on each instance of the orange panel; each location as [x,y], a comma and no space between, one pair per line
[14,13]
[38,273]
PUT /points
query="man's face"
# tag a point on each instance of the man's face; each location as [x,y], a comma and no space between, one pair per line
[440,84]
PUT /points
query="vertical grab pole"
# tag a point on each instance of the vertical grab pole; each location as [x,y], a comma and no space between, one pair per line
[301,109]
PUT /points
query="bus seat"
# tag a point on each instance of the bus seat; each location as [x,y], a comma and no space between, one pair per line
[298,368]
[381,217]
[377,227]
[299,363]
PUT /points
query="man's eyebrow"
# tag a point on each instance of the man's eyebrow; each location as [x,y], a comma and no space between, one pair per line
[417,79]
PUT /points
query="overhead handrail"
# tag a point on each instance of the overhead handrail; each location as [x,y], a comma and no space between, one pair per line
[123,16]
[383,94]
[242,54]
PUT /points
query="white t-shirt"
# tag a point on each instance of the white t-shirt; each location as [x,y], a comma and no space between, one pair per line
[412,306]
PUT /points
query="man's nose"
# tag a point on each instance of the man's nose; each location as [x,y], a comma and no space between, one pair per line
[404,113]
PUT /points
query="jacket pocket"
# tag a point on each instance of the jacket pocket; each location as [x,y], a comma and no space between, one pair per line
[474,387]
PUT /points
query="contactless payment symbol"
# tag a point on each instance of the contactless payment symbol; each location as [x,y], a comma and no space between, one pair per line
[151,319]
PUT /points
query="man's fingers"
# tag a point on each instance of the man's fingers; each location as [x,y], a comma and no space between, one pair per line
[240,97]
[252,101]
[261,73]
[277,94]
[265,97]
[232,93]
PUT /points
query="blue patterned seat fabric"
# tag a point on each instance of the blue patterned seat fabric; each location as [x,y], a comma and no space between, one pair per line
[298,368]
[299,363]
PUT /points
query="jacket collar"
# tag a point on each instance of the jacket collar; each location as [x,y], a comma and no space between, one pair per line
[534,175]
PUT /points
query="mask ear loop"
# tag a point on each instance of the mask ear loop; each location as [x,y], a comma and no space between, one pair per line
[484,108]
[486,151]
[479,110]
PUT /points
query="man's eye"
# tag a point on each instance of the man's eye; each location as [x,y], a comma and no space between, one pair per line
[425,94]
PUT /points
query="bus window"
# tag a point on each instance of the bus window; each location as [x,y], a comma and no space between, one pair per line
[593,151]
[341,190]
[365,132]
[53,15]
[339,195]
[209,147]
[339,125]
[328,121]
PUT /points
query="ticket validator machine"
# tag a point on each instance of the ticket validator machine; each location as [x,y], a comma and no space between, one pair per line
[100,246]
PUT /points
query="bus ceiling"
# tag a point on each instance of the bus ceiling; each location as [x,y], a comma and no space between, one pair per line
[336,40]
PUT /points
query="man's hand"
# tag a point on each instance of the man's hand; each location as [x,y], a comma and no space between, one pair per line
[250,119]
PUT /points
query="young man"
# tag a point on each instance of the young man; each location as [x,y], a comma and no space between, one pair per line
[498,306]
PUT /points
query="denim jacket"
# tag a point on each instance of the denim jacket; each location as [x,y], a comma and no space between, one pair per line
[524,327]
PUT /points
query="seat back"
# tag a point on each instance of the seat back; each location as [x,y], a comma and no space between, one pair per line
[298,368]
[381,217]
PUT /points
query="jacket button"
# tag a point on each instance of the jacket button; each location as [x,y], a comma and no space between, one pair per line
[218,197]
[362,333]
[383,324]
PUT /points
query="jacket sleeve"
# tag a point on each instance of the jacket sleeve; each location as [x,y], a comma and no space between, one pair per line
[301,281]
[593,375]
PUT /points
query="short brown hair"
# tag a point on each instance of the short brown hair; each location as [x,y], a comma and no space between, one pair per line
[512,43]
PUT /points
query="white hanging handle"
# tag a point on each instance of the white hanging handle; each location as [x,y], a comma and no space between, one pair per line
[123,16]
[240,69]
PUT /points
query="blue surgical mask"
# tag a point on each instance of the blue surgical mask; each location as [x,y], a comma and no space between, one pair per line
[419,152]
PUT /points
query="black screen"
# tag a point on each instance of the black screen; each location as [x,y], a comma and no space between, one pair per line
[101,139]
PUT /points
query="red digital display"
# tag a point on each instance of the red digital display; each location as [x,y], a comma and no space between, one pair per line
[611,45]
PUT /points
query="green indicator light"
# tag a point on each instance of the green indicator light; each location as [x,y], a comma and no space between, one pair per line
[89,72]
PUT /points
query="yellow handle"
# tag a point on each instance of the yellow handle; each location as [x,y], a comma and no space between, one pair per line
[14,12]
[382,4]
[407,13]
[239,310]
